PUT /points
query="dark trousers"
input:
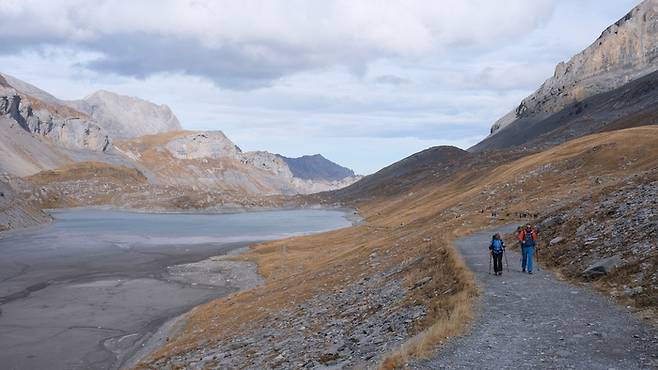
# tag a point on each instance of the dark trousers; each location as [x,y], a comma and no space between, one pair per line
[498,262]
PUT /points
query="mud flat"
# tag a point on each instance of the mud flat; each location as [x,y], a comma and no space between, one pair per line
[90,290]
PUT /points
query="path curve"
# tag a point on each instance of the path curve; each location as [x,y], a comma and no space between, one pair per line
[536,321]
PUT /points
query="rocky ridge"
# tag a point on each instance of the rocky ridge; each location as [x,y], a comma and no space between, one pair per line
[625,51]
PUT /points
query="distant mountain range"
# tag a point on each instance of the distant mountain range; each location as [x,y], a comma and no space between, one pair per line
[40,132]
[316,167]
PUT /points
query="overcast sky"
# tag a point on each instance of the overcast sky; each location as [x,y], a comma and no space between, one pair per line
[365,83]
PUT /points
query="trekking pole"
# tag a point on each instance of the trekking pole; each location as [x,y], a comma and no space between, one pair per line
[506,262]
[490,258]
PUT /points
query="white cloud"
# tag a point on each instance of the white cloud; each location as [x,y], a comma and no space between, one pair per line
[281,37]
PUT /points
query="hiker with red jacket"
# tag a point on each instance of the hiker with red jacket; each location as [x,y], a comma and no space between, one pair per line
[528,239]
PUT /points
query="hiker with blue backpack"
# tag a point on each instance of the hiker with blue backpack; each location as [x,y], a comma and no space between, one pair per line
[528,239]
[497,248]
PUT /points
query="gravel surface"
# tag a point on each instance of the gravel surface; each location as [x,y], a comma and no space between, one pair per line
[537,321]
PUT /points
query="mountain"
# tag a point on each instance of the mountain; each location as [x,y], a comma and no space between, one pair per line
[125,116]
[210,160]
[316,167]
[634,104]
[68,150]
[434,163]
[38,134]
[624,53]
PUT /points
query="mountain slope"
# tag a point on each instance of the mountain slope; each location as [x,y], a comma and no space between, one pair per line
[125,116]
[438,162]
[316,167]
[625,51]
[631,105]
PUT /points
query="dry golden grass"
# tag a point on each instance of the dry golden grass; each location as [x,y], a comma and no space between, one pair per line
[298,268]
[88,170]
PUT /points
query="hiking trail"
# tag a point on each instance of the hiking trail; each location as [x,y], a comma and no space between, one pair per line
[538,321]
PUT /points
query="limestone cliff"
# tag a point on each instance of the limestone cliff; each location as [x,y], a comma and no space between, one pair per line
[63,126]
[625,51]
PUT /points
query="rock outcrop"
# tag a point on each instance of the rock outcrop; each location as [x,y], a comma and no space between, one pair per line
[63,126]
[125,116]
[208,144]
[625,51]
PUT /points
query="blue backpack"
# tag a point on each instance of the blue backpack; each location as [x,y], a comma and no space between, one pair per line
[497,246]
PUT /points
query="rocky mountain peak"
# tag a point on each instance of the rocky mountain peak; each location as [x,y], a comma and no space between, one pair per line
[625,51]
[126,116]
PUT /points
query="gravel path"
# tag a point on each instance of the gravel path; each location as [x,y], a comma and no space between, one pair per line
[537,321]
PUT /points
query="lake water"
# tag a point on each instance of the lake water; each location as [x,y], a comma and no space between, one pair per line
[85,291]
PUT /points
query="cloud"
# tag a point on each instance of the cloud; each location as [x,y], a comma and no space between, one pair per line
[252,43]
[365,83]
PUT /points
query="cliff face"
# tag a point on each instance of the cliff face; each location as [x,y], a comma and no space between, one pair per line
[625,51]
[65,127]
[125,116]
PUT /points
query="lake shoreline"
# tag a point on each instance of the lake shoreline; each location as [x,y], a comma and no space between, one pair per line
[105,293]
[159,336]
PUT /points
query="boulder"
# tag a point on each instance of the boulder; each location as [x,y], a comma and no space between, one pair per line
[556,240]
[602,267]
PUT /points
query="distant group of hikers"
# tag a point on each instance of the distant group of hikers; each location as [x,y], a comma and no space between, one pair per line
[527,237]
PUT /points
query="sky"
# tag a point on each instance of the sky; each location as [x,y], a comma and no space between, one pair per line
[364,83]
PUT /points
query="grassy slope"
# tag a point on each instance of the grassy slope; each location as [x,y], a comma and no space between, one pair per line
[396,226]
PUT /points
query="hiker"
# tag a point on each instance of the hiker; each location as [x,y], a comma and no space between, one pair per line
[527,238]
[497,248]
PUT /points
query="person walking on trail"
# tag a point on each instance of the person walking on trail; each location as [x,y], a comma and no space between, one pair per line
[528,239]
[497,248]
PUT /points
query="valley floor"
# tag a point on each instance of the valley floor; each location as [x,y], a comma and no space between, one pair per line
[536,321]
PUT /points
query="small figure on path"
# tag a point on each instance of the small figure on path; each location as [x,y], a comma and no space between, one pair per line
[527,238]
[497,248]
